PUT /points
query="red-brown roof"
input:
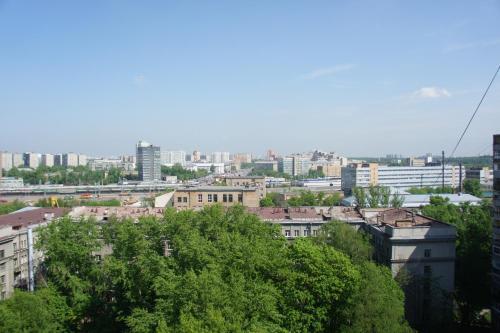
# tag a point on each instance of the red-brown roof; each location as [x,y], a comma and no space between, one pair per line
[30,217]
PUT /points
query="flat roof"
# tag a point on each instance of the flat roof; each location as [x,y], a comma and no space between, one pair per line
[217,189]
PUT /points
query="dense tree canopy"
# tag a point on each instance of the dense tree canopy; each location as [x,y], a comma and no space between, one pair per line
[472,186]
[181,173]
[210,271]
[9,207]
[308,198]
[473,253]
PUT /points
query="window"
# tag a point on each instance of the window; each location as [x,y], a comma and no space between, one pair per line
[224,198]
[215,198]
[296,233]
[185,199]
[2,279]
[209,197]
[306,232]
[287,233]
[230,196]
[15,246]
[427,253]
[315,232]
[200,197]
[240,197]
[427,270]
[179,199]
[2,253]
[2,296]
[2,267]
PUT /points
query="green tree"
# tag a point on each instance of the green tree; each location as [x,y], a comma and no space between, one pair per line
[6,208]
[473,253]
[360,196]
[266,202]
[472,186]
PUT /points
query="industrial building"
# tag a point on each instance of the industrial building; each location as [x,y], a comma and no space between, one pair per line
[400,177]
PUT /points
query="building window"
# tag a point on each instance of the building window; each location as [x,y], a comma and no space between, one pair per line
[2,253]
[215,198]
[2,296]
[185,199]
[427,253]
[240,197]
[287,233]
[230,196]
[427,270]
[200,197]
[306,232]
[209,198]
[2,279]
[179,199]
[2,267]
[296,233]
[315,232]
[224,198]
[15,246]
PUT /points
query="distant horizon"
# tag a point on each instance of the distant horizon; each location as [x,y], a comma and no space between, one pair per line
[360,78]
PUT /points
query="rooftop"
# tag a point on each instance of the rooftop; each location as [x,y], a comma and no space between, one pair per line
[25,218]
[118,212]
[290,213]
[399,218]
[217,189]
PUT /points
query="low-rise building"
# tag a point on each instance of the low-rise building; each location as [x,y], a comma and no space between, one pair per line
[11,182]
[326,182]
[420,200]
[401,177]
[18,255]
[200,196]
[484,175]
[266,165]
[258,182]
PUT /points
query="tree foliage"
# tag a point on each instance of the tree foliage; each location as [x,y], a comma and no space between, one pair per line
[214,270]
[473,253]
[9,207]
[183,174]
[472,186]
[308,198]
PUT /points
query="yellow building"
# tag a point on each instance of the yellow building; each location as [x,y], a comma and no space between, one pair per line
[198,197]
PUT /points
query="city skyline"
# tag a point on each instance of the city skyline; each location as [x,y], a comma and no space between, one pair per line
[358,78]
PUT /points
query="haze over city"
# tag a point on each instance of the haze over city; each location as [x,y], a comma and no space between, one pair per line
[360,78]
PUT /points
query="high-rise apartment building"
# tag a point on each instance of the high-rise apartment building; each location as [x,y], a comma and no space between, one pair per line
[148,161]
[220,157]
[17,160]
[70,160]
[5,161]
[172,157]
[495,272]
[295,165]
[31,160]
[48,160]
[196,156]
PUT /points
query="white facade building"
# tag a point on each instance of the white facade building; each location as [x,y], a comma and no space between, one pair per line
[401,177]
[220,157]
[17,160]
[70,160]
[32,160]
[48,160]
[5,161]
[172,157]
[82,160]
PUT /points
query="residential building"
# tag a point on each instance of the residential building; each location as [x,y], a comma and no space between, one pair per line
[484,175]
[271,155]
[48,160]
[17,160]
[70,160]
[220,157]
[196,156]
[172,157]
[328,168]
[294,165]
[17,251]
[58,160]
[401,177]
[495,272]
[266,165]
[242,158]
[105,164]
[422,247]
[82,160]
[200,196]
[218,168]
[416,162]
[31,160]
[148,161]
[5,161]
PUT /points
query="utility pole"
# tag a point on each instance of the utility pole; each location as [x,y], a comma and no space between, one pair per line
[442,171]
[460,177]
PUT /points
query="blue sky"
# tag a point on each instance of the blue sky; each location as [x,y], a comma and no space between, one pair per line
[357,77]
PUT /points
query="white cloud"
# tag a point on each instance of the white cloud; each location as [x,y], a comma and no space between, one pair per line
[139,79]
[327,71]
[472,45]
[431,92]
